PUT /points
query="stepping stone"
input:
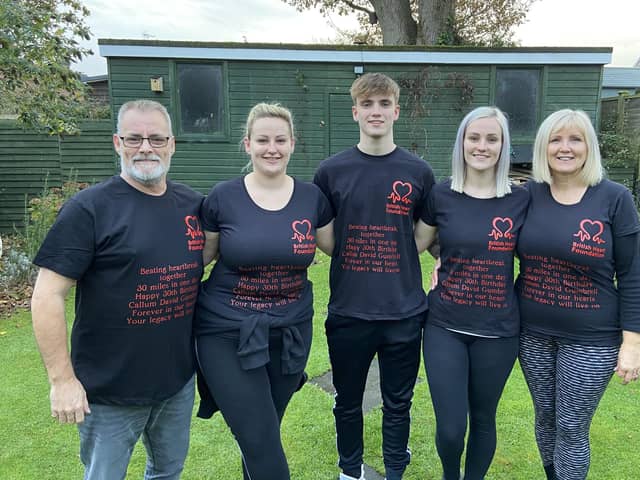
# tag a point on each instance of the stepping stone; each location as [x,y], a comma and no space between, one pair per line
[372,397]
[371,474]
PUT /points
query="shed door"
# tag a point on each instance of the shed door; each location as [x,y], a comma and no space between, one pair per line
[343,131]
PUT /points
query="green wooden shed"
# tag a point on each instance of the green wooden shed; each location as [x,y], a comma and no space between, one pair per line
[209,87]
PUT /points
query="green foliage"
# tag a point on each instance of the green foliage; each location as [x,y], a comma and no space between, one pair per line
[618,150]
[41,211]
[16,269]
[485,23]
[621,151]
[488,23]
[38,43]
[93,110]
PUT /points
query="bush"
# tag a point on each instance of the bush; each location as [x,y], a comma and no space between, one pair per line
[618,150]
[17,269]
[41,212]
[20,250]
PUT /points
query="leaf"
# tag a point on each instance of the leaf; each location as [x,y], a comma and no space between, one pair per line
[39,39]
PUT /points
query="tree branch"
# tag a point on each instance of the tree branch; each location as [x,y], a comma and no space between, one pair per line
[373,17]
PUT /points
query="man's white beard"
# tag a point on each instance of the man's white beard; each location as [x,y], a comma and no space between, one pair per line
[145,177]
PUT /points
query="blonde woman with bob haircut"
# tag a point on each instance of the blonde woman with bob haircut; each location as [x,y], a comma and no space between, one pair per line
[458,164]
[592,172]
[471,334]
[581,315]
[254,313]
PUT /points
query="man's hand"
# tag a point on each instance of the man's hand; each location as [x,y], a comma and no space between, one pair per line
[69,401]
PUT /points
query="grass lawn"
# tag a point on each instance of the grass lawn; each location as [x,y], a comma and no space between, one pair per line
[35,447]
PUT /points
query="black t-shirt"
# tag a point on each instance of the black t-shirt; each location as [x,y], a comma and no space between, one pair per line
[137,260]
[566,284]
[478,237]
[375,270]
[260,279]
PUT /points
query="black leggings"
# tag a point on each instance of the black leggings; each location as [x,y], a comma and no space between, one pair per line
[252,403]
[466,377]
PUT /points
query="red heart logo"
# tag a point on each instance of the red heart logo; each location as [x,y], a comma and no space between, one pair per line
[192,222]
[402,189]
[193,226]
[301,230]
[301,227]
[592,229]
[503,225]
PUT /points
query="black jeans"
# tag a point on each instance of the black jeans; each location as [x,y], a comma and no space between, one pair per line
[352,345]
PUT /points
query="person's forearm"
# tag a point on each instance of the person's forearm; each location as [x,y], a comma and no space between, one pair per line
[50,329]
[207,257]
[325,239]
[425,237]
[210,251]
[434,248]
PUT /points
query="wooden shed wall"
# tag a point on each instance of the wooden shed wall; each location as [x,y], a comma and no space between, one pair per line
[318,95]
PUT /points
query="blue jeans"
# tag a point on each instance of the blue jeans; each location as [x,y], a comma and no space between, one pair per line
[109,434]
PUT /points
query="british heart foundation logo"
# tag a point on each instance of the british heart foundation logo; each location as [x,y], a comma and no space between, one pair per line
[590,230]
[193,227]
[194,232]
[400,192]
[501,228]
[301,231]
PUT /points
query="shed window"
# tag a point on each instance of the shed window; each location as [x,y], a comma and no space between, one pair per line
[518,95]
[201,98]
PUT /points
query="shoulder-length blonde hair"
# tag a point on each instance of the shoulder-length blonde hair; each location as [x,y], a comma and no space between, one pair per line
[592,172]
[458,165]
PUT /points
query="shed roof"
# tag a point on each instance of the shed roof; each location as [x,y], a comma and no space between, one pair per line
[353,53]
[621,77]
[89,79]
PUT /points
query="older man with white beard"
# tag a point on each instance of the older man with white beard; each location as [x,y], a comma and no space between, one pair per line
[132,245]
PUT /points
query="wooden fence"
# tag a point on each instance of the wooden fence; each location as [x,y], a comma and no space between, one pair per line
[621,115]
[28,160]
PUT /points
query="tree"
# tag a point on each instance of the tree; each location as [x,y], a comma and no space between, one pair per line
[489,23]
[428,22]
[38,41]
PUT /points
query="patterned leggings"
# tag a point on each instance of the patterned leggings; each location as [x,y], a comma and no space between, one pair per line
[566,382]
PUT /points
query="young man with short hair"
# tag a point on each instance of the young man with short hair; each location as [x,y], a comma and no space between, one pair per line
[377,303]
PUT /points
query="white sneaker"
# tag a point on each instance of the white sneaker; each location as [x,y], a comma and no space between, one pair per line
[347,477]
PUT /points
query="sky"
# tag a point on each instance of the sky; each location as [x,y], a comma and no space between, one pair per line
[577,23]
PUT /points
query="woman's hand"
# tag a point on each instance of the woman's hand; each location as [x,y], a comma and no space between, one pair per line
[628,367]
[434,274]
